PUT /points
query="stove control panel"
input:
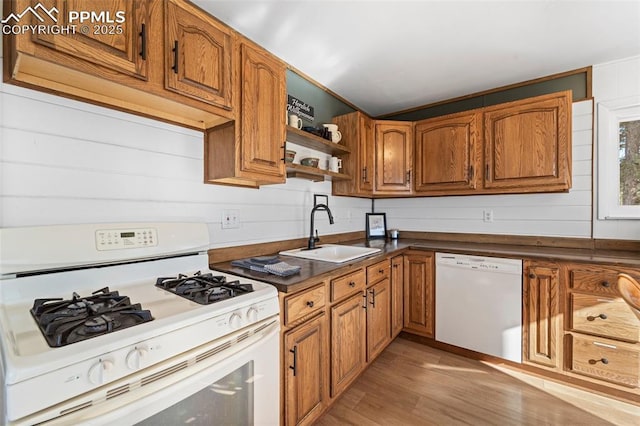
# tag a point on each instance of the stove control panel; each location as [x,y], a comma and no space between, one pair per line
[118,239]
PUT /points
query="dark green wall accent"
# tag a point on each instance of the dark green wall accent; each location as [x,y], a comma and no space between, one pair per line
[575,82]
[325,105]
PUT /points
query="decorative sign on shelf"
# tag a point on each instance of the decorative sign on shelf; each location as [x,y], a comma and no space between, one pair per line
[301,109]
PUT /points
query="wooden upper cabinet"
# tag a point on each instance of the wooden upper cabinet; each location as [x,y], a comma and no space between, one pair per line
[447,153]
[120,46]
[197,55]
[262,114]
[358,135]
[528,144]
[393,154]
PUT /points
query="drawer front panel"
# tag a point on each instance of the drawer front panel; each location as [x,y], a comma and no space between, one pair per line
[305,303]
[606,360]
[347,284]
[604,316]
[598,281]
[378,272]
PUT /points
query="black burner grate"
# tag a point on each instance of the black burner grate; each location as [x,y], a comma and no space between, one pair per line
[203,288]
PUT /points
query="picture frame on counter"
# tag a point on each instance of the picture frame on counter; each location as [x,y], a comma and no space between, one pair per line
[376,225]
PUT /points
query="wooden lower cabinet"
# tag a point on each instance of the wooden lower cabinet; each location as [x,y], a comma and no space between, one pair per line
[305,361]
[397,295]
[542,322]
[419,295]
[348,342]
[378,317]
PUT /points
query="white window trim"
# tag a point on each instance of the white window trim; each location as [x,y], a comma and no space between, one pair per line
[610,114]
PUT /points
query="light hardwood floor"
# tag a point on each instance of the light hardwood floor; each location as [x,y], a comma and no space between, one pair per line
[413,384]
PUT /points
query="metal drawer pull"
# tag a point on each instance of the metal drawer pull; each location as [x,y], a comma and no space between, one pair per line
[373,297]
[143,42]
[602,360]
[352,284]
[604,345]
[381,271]
[606,284]
[310,303]
[592,318]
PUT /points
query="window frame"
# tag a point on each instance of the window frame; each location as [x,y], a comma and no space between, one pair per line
[610,114]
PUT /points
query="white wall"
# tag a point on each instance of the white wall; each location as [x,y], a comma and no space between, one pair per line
[556,214]
[63,161]
[616,81]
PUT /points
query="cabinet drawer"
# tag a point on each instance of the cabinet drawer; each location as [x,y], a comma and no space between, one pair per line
[604,316]
[305,303]
[347,284]
[606,360]
[597,281]
[378,271]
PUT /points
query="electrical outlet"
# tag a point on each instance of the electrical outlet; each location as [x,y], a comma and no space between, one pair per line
[230,219]
[487,215]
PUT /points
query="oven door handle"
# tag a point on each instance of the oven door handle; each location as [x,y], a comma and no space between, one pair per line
[294,351]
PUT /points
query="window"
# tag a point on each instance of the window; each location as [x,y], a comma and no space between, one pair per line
[619,161]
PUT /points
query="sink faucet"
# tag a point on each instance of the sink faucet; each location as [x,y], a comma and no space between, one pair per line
[312,239]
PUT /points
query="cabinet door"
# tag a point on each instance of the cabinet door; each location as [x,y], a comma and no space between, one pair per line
[348,342]
[357,135]
[541,314]
[393,147]
[447,152]
[397,290]
[378,318]
[197,55]
[120,46]
[419,301]
[262,114]
[305,372]
[366,170]
[528,144]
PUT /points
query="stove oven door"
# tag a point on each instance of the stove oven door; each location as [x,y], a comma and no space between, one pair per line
[233,381]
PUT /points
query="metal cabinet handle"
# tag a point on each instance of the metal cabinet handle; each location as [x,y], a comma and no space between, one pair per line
[284,152]
[381,271]
[364,300]
[143,42]
[175,57]
[408,176]
[352,284]
[310,303]
[364,174]
[605,361]
[486,173]
[372,292]
[470,172]
[532,275]
[606,284]
[294,367]
[601,316]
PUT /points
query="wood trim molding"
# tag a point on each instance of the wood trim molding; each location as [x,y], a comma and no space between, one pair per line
[519,240]
[225,254]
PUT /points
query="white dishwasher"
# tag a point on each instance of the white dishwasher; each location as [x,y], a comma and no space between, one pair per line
[479,304]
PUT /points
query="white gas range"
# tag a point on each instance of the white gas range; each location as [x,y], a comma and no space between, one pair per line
[138,350]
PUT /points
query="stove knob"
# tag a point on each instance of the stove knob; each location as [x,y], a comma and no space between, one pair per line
[99,372]
[235,320]
[135,358]
[252,314]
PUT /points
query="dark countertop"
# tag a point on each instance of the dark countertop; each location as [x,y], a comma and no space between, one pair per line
[314,271]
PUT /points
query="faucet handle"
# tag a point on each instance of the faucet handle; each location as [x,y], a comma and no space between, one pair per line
[316,238]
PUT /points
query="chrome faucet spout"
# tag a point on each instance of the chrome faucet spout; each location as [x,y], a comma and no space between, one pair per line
[318,207]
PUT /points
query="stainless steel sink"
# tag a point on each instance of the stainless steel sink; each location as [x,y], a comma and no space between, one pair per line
[335,253]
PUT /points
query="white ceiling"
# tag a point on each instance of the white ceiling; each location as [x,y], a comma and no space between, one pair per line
[387,56]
